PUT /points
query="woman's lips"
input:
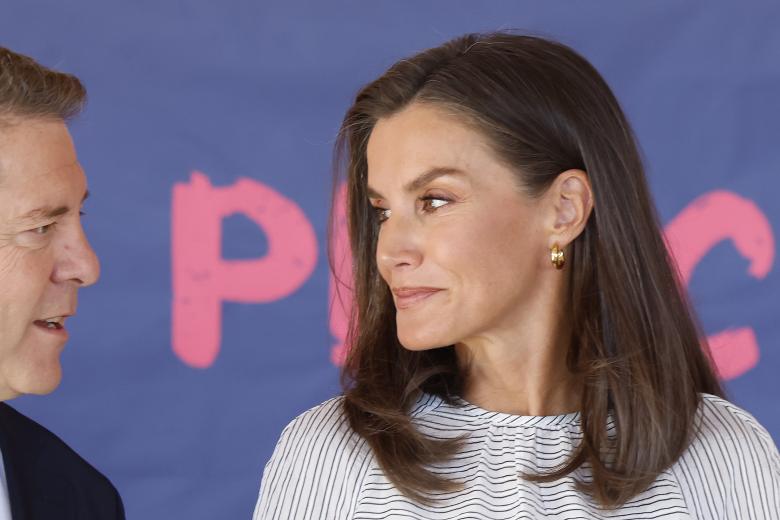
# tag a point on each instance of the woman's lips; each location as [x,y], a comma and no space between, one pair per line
[407,297]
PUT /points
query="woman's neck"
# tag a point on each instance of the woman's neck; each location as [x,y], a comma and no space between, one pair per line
[521,371]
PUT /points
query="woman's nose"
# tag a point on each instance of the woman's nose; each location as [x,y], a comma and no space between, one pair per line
[398,244]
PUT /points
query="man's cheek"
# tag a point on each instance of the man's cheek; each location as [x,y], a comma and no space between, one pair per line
[21,265]
[31,241]
[11,260]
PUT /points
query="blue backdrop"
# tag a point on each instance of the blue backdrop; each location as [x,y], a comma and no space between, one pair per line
[256,90]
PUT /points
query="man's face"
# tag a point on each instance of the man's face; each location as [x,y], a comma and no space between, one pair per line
[44,256]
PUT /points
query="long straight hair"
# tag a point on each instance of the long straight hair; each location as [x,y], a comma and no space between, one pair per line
[544,109]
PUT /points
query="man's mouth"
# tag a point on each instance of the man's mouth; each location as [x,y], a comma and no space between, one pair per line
[54,323]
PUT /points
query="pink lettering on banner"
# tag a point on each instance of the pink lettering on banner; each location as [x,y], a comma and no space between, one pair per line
[340,293]
[705,222]
[202,279]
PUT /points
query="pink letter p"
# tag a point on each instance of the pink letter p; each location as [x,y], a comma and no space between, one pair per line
[202,279]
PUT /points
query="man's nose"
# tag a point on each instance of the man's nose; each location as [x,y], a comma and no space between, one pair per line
[77,261]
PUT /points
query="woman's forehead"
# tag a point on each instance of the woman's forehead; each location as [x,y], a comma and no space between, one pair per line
[422,139]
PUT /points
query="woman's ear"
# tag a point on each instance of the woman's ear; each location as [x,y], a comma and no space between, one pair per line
[571,202]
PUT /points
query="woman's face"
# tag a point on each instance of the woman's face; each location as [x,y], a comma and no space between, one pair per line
[460,245]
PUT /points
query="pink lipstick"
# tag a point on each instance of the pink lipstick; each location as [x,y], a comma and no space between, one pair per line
[406,297]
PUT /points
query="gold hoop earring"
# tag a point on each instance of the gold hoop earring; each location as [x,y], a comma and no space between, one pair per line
[556,257]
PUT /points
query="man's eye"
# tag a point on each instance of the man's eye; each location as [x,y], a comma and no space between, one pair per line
[44,230]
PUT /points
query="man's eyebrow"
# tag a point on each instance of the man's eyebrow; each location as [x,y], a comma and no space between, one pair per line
[47,212]
[420,181]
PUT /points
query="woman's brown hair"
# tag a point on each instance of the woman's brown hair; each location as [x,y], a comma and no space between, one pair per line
[545,110]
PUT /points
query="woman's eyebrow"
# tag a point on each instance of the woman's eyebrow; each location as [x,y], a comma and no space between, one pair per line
[421,180]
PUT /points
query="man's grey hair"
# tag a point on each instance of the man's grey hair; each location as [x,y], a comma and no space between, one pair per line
[30,90]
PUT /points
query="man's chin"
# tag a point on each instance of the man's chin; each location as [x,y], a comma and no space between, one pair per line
[40,382]
[43,389]
[46,384]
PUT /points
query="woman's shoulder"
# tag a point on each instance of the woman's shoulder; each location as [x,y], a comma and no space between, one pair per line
[729,435]
[325,429]
[322,419]
[722,422]
[731,464]
[316,468]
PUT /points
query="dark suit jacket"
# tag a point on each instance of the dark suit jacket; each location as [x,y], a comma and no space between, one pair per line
[48,480]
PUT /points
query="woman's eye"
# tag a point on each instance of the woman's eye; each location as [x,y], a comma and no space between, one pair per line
[433,203]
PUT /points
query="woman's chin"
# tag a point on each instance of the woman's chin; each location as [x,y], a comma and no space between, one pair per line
[422,340]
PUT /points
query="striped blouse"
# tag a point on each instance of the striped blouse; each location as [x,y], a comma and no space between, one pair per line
[321,469]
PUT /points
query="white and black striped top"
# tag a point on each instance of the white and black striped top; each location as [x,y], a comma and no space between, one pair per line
[321,469]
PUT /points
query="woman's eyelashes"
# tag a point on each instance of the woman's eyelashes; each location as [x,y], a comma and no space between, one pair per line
[426,204]
[431,203]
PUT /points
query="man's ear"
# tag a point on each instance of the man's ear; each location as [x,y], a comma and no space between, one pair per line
[570,200]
